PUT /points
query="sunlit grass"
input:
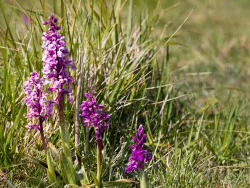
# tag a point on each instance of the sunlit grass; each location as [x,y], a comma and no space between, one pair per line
[191,98]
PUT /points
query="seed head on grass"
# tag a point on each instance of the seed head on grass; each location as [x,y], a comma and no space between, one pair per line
[56,60]
[139,156]
[93,115]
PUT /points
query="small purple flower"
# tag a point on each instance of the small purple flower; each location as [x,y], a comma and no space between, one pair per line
[56,60]
[33,126]
[26,20]
[93,115]
[139,156]
[39,106]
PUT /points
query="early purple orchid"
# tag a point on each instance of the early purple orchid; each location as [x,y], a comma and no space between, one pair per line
[56,61]
[93,115]
[39,107]
[139,156]
[36,100]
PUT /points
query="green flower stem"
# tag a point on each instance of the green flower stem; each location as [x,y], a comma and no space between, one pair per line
[66,143]
[99,166]
[143,180]
[87,142]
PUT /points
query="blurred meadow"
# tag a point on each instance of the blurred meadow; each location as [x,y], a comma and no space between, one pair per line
[180,68]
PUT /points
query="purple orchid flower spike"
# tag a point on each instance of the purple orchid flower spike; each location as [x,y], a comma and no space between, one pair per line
[39,107]
[139,156]
[93,115]
[56,61]
[36,100]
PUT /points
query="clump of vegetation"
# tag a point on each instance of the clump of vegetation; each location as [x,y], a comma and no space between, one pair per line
[120,69]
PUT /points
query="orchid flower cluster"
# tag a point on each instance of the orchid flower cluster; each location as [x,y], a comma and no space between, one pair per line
[93,115]
[58,82]
[55,73]
[56,60]
[39,107]
[139,155]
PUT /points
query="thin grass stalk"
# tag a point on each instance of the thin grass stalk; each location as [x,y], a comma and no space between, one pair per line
[77,120]
[130,21]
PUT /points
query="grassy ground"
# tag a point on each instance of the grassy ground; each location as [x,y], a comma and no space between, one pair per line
[214,70]
[216,39]
[197,125]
